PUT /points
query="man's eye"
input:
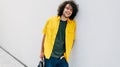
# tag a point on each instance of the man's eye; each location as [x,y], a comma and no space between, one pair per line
[67,8]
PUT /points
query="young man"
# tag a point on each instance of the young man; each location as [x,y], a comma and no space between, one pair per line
[59,35]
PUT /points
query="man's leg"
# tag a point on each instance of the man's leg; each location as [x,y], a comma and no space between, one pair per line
[62,63]
[50,62]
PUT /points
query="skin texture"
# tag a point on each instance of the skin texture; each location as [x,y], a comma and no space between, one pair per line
[67,11]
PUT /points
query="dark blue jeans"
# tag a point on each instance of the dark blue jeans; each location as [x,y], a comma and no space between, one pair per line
[56,62]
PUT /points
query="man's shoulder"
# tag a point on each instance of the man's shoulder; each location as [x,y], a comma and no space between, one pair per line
[54,17]
[72,21]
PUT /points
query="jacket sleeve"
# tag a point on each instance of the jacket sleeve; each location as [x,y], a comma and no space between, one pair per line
[74,30]
[45,28]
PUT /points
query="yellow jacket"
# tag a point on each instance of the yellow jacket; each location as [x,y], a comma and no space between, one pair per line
[50,32]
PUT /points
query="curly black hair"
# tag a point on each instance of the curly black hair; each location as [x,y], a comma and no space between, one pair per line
[74,7]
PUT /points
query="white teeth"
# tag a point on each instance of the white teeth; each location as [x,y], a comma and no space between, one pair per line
[68,13]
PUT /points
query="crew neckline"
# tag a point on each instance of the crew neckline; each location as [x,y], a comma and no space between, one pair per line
[63,21]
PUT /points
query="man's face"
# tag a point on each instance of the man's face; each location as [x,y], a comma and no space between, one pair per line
[67,12]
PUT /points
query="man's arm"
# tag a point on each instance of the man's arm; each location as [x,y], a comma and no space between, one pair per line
[42,49]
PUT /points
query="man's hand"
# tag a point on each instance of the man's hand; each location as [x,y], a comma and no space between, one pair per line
[41,55]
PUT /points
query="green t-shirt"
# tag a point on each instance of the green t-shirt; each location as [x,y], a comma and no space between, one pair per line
[59,45]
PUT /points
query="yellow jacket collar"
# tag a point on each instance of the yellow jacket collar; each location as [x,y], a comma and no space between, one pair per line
[67,20]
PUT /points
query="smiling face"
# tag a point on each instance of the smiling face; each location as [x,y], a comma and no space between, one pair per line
[67,12]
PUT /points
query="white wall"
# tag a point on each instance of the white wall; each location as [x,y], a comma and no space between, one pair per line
[21,23]
[98,34]
[97,43]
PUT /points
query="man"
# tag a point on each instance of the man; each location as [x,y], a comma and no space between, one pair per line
[59,35]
